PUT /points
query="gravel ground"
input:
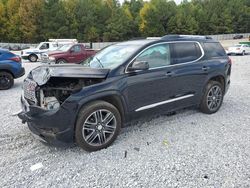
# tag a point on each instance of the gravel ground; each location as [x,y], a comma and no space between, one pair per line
[189,149]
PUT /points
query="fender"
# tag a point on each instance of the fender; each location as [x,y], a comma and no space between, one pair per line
[100,96]
[6,67]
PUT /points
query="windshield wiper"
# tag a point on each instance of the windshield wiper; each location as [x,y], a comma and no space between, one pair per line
[100,63]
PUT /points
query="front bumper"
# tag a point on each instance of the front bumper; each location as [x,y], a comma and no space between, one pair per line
[51,126]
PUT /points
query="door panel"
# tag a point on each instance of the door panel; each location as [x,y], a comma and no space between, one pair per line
[153,85]
[146,88]
[178,84]
[75,54]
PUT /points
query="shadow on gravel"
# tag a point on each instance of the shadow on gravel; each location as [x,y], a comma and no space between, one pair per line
[169,115]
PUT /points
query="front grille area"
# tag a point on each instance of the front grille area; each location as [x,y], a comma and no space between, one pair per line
[44,58]
[29,88]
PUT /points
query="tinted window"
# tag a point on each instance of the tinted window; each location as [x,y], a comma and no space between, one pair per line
[44,46]
[76,48]
[156,56]
[185,52]
[214,49]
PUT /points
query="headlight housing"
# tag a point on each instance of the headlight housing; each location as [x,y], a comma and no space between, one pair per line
[41,75]
[51,58]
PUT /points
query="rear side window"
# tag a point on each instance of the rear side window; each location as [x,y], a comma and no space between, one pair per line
[214,49]
[184,52]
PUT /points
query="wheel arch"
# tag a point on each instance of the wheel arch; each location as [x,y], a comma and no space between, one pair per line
[61,58]
[33,55]
[8,71]
[220,79]
[113,98]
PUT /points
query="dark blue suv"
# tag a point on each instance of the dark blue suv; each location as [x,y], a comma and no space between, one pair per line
[89,103]
[10,69]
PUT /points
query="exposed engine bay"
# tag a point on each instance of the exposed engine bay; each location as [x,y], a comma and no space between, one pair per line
[49,86]
[57,90]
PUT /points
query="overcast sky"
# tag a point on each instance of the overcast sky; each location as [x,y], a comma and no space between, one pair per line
[177,1]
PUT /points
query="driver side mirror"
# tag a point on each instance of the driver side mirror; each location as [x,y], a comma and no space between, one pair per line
[139,66]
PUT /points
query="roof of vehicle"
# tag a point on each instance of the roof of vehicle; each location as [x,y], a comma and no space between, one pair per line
[168,38]
[187,38]
[139,42]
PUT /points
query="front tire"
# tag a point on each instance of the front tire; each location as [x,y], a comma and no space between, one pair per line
[6,80]
[61,61]
[212,98]
[98,125]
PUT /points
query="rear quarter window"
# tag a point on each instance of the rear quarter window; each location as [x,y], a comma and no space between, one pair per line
[214,49]
[183,52]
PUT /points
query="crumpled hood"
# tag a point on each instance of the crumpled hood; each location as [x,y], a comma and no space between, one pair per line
[77,71]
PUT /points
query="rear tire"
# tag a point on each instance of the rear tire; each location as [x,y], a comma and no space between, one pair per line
[33,58]
[98,125]
[243,53]
[212,98]
[6,80]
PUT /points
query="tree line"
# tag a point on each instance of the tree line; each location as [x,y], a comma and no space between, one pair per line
[33,21]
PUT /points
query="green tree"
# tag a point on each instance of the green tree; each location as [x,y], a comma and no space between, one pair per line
[53,20]
[155,16]
[30,14]
[13,23]
[2,21]
[119,26]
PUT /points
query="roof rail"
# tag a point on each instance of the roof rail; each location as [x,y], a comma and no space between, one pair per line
[137,38]
[153,38]
[185,36]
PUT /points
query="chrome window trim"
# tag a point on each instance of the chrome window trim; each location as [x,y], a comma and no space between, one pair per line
[189,62]
[163,102]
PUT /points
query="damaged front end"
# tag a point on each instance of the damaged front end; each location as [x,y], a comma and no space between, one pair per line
[46,108]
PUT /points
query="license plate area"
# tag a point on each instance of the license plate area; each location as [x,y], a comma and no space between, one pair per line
[29,88]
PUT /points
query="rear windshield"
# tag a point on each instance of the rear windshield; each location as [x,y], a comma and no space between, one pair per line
[214,49]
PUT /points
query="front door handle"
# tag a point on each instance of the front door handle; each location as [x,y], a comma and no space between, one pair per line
[205,68]
[169,74]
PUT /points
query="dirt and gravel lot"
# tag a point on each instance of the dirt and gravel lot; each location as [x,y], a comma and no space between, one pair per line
[189,149]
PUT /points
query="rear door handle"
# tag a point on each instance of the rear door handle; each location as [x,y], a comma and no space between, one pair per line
[205,68]
[169,74]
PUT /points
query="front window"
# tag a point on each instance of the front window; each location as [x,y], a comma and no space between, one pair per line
[156,56]
[76,48]
[112,56]
[43,46]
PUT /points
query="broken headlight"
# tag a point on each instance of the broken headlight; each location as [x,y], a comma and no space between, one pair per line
[41,75]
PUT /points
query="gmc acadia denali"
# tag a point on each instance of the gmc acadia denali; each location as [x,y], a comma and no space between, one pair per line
[89,103]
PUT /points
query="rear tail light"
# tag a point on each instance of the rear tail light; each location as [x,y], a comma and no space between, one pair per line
[237,48]
[16,59]
[230,61]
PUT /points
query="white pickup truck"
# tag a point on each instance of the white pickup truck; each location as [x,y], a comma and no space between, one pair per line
[33,54]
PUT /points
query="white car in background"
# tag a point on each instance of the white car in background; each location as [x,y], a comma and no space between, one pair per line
[34,54]
[239,49]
